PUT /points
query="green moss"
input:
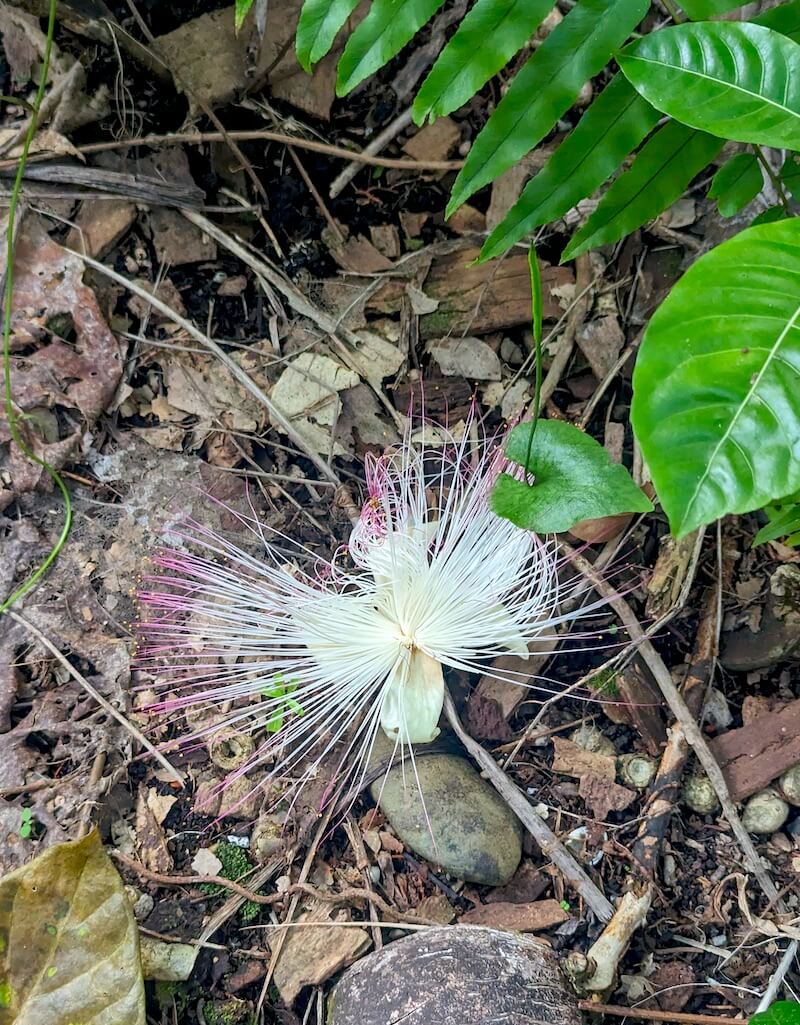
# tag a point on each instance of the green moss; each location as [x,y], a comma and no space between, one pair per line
[228,1012]
[235,864]
[604,682]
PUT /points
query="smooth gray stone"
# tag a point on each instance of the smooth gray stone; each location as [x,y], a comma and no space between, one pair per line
[456,976]
[468,830]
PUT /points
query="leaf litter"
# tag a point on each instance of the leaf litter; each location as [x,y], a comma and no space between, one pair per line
[153,431]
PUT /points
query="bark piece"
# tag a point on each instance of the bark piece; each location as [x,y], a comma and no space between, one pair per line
[754,755]
[574,761]
[531,917]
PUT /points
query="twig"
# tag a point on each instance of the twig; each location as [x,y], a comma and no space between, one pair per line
[232,366]
[667,1016]
[549,843]
[342,897]
[670,770]
[259,135]
[775,983]
[677,706]
[106,705]
[383,138]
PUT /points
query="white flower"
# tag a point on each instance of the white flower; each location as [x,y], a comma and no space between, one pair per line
[436,580]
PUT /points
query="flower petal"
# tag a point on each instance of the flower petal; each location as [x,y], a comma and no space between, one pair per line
[413,699]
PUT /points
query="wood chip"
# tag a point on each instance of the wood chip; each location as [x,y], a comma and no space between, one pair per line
[541,914]
[572,760]
[752,756]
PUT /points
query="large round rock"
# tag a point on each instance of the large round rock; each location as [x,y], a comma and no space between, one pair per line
[459,821]
[456,976]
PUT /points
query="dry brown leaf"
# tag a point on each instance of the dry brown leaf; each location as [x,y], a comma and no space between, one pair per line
[532,917]
[603,795]
[574,761]
[435,141]
[314,951]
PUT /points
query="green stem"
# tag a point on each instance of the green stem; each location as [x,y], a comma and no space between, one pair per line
[536,325]
[8,292]
[673,11]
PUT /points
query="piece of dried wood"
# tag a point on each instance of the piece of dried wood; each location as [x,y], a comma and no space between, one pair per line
[752,756]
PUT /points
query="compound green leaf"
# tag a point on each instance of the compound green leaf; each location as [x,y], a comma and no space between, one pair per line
[736,80]
[545,88]
[736,183]
[716,404]
[320,22]
[69,945]
[574,480]
[790,174]
[658,176]
[486,40]
[384,32]
[611,128]
[784,1012]
[701,10]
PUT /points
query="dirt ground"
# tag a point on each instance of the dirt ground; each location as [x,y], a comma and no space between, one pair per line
[336,302]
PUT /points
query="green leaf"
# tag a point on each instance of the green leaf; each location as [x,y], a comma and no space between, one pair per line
[701,10]
[69,946]
[790,174]
[736,183]
[768,216]
[611,128]
[545,88]
[785,18]
[320,22]
[241,10]
[784,519]
[486,40]
[785,1012]
[574,480]
[733,79]
[384,32]
[658,176]
[716,404]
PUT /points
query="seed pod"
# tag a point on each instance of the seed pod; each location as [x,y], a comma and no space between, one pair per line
[637,771]
[699,795]
[229,751]
[591,739]
[790,785]
[765,812]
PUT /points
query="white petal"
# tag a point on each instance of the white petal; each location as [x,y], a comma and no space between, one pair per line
[413,699]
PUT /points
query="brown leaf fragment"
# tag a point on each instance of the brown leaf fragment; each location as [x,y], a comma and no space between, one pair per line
[574,761]
[532,917]
[151,844]
[314,950]
[603,795]
[99,225]
[435,141]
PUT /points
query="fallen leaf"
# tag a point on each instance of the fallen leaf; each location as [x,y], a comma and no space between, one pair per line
[601,342]
[603,795]
[467,357]
[532,917]
[151,845]
[436,907]
[100,225]
[307,393]
[435,141]
[80,374]
[70,950]
[206,863]
[159,804]
[574,761]
[178,241]
[314,951]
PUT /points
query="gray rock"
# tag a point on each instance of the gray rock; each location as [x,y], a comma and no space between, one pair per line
[452,975]
[468,829]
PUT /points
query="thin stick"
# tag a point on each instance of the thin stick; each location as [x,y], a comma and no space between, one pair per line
[341,897]
[232,366]
[669,1016]
[383,138]
[549,843]
[688,724]
[260,135]
[98,697]
[778,976]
